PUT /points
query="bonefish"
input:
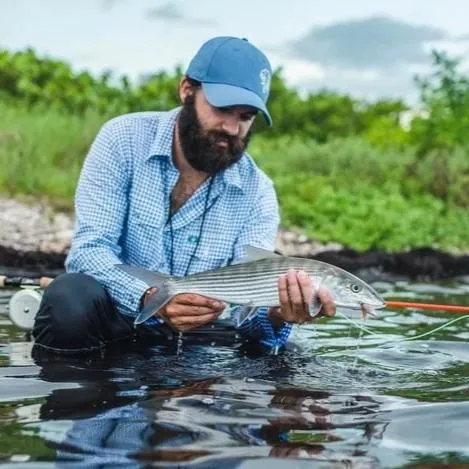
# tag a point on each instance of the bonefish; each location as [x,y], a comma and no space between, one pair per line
[252,283]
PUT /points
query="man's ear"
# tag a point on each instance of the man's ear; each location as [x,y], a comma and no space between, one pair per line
[185,89]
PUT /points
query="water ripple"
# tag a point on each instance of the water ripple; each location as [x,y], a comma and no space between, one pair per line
[338,396]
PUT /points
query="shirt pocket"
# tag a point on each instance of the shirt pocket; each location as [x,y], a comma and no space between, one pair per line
[212,252]
[145,231]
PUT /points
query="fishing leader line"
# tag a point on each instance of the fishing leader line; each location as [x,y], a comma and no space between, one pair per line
[406,339]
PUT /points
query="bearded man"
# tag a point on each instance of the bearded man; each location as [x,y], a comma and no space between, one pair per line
[174,192]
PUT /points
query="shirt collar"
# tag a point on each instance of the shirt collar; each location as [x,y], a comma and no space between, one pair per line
[163,146]
[232,176]
[163,143]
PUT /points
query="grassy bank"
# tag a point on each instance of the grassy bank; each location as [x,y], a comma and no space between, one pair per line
[346,190]
[41,152]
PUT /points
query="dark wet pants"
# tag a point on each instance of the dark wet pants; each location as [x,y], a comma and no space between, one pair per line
[76,315]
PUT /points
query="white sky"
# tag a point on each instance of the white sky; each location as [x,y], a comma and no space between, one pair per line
[121,38]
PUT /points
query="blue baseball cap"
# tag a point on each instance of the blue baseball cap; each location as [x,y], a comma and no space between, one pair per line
[233,72]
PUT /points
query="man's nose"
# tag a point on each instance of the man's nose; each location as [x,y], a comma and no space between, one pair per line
[230,125]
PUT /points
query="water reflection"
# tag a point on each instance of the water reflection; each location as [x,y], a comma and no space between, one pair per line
[157,415]
[337,397]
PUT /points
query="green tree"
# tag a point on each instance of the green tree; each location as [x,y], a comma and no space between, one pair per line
[444,96]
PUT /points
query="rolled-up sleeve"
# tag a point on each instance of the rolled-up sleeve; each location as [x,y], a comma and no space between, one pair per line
[101,203]
[261,329]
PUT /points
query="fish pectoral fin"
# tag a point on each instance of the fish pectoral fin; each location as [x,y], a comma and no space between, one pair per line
[150,278]
[243,313]
[252,253]
[155,303]
[315,308]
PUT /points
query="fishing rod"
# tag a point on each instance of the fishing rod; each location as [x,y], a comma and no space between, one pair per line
[428,306]
[15,282]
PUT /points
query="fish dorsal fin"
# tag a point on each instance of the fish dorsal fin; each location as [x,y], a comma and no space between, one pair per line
[252,253]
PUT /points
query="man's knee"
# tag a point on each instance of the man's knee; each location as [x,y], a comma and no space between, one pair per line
[66,311]
[74,295]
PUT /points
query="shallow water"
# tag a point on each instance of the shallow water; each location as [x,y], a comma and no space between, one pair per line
[337,397]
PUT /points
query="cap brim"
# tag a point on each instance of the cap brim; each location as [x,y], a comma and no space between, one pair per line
[220,95]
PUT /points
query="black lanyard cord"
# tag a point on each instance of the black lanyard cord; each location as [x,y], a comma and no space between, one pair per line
[170,220]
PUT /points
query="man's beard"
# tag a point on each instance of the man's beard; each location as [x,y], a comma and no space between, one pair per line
[200,146]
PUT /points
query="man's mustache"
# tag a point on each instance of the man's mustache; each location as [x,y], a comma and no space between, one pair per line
[234,143]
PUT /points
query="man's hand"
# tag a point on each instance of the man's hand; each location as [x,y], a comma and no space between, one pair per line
[187,311]
[296,294]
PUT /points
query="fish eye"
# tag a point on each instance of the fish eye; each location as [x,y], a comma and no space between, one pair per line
[355,288]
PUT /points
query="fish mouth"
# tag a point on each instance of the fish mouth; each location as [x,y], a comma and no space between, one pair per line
[366,309]
[364,304]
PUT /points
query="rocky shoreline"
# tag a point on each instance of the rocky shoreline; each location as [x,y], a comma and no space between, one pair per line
[34,240]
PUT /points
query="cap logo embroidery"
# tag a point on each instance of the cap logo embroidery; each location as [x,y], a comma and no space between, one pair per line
[264,76]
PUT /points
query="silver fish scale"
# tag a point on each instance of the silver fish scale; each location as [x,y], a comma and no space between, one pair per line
[253,282]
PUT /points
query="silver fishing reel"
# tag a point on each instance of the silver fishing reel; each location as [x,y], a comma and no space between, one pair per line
[23,307]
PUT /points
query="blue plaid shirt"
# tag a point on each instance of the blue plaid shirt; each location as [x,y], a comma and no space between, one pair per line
[121,208]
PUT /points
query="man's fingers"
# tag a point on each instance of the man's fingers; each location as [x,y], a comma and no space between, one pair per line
[297,294]
[297,301]
[284,298]
[191,299]
[294,291]
[306,287]
[193,321]
[328,303]
[283,290]
[187,311]
[175,310]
